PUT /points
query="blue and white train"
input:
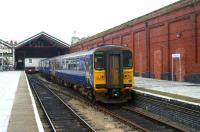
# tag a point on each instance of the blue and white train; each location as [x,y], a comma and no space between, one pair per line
[102,74]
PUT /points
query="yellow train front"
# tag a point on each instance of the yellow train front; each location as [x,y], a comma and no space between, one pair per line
[112,74]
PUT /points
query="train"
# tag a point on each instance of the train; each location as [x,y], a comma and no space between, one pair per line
[32,65]
[103,74]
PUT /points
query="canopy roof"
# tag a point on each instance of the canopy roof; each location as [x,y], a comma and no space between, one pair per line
[5,43]
[44,36]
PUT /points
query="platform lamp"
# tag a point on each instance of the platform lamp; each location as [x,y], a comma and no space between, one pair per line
[2,58]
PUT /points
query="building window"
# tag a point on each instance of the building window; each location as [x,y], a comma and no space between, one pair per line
[30,60]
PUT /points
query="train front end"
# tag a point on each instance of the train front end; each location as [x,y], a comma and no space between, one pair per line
[113,74]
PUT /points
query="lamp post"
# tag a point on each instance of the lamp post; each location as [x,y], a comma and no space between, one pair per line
[2,61]
[1,58]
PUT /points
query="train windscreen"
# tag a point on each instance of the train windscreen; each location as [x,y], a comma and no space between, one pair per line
[99,61]
[127,59]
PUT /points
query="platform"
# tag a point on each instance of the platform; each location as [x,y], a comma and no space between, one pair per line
[18,111]
[181,91]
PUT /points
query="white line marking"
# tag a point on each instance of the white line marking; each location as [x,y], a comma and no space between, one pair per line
[37,117]
[167,97]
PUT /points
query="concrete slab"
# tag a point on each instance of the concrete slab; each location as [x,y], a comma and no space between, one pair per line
[22,116]
[8,86]
[180,90]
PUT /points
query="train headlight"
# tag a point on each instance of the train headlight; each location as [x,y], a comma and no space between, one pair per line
[127,76]
[100,77]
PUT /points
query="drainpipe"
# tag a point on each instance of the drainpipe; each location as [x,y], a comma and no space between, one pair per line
[13,52]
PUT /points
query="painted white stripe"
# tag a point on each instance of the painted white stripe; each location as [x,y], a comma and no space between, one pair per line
[37,117]
[167,97]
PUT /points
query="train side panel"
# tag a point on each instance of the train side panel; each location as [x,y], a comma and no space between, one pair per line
[76,70]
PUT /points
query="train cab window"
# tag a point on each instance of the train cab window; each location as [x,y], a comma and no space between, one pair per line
[99,62]
[127,59]
[30,60]
[49,64]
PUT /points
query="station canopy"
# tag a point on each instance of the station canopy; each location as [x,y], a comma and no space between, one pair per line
[42,40]
[41,45]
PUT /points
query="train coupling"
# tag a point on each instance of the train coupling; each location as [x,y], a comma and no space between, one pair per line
[115,93]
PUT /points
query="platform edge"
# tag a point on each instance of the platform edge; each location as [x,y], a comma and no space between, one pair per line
[37,117]
[167,97]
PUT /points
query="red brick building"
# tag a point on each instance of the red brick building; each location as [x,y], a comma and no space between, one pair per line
[164,42]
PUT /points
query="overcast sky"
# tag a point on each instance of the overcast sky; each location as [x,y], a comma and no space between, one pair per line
[20,19]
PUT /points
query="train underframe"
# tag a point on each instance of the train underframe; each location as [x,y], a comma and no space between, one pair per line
[114,95]
[103,95]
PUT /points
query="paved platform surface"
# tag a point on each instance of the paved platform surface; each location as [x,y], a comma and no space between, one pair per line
[179,90]
[8,87]
[18,110]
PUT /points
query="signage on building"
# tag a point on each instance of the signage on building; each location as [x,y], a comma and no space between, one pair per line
[176,56]
[19,60]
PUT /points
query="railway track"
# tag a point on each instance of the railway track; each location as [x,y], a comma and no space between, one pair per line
[61,117]
[145,122]
[128,115]
[186,114]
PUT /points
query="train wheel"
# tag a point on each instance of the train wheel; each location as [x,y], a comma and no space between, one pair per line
[91,96]
[63,83]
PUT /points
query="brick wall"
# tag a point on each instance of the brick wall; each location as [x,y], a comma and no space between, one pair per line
[153,39]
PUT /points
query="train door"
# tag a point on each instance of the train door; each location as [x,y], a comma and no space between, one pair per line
[114,70]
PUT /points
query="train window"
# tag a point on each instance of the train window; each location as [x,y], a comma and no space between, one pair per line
[127,59]
[30,60]
[57,65]
[72,67]
[99,60]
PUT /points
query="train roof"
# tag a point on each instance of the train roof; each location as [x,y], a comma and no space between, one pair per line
[87,52]
[103,46]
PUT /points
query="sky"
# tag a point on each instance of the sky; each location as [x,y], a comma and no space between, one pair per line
[20,19]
